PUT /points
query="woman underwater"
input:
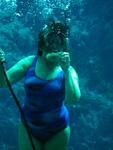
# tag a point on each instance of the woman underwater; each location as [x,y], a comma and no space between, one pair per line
[50,82]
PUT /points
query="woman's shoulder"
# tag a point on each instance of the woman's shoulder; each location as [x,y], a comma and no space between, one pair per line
[28,61]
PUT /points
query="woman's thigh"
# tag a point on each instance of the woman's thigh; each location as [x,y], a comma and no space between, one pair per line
[59,141]
[23,139]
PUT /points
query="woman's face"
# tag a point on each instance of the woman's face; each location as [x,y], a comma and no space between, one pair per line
[54,43]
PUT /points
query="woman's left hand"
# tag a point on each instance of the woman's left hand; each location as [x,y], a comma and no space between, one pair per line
[61,58]
[64,60]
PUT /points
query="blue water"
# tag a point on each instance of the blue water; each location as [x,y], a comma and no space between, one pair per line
[91,40]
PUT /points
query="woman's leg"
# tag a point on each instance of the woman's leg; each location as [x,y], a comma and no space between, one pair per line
[59,141]
[23,139]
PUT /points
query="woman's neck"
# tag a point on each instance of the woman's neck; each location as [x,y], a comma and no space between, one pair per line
[46,65]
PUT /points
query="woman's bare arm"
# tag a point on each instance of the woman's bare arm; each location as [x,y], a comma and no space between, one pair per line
[17,72]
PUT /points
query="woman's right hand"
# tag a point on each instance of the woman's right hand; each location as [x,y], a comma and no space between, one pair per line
[2,56]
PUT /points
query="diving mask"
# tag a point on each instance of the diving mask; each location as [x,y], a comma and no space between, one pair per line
[56,37]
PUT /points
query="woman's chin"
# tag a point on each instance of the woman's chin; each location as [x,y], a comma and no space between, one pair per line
[52,62]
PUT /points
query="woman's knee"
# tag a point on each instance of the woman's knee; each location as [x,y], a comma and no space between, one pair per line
[24,141]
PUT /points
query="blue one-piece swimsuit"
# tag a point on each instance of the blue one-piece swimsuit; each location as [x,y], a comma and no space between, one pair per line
[44,106]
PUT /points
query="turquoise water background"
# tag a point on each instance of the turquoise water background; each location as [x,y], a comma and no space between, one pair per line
[91,44]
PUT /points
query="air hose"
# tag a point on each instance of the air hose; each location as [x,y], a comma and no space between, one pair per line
[18,105]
